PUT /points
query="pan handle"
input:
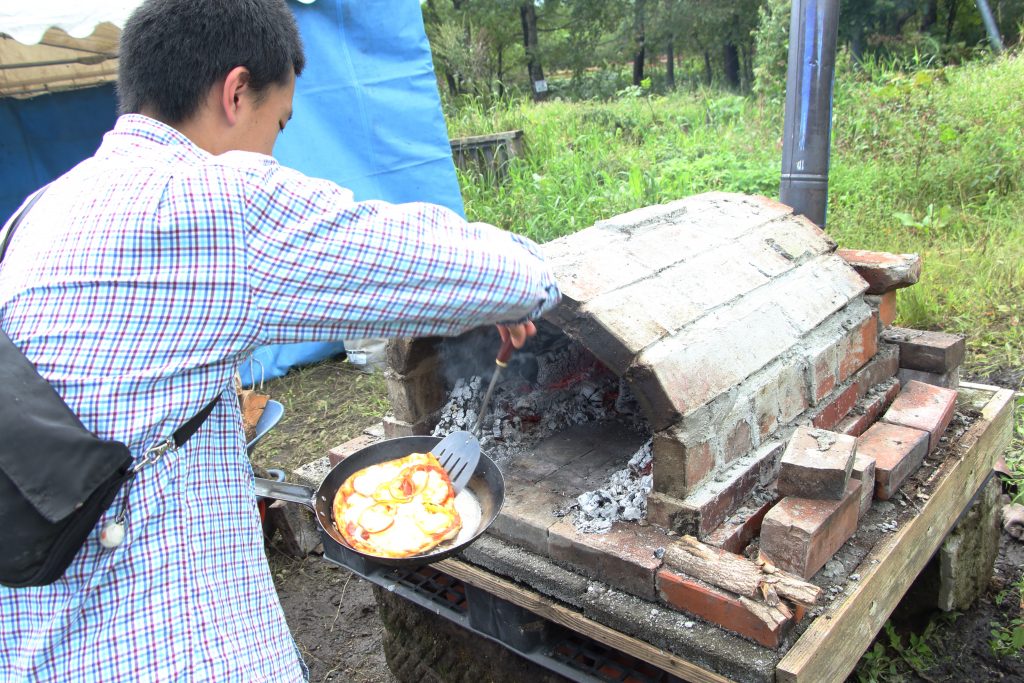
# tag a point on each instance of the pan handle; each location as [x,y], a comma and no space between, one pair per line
[292,493]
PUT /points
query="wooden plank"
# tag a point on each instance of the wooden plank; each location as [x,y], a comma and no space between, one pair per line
[833,644]
[571,619]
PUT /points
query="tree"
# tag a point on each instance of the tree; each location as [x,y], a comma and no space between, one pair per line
[528,17]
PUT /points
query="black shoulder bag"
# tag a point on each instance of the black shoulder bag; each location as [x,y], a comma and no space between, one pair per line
[56,477]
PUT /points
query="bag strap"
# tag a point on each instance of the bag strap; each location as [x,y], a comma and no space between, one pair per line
[17,220]
[183,433]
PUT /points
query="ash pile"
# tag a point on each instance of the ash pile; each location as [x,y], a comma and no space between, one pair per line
[539,394]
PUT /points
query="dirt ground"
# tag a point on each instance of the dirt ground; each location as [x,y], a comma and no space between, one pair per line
[334,618]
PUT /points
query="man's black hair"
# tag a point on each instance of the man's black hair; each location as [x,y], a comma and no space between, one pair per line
[173,51]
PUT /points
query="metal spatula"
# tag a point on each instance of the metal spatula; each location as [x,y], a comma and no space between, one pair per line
[458,453]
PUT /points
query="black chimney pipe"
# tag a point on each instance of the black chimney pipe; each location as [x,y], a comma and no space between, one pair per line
[813,30]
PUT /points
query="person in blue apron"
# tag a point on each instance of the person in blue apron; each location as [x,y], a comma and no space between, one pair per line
[139,281]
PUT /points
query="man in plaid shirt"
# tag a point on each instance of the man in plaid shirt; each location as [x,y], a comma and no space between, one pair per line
[140,280]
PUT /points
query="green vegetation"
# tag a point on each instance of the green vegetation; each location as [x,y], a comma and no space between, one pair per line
[898,657]
[928,161]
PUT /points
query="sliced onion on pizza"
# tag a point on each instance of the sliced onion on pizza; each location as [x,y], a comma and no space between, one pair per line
[397,508]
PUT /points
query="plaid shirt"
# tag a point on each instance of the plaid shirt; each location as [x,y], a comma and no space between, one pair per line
[136,285]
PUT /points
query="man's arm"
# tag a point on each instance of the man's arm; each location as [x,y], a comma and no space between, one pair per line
[325,267]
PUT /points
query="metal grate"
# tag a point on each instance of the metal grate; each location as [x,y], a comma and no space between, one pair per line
[440,588]
[604,663]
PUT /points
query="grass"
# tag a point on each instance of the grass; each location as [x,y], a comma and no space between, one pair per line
[324,405]
[930,162]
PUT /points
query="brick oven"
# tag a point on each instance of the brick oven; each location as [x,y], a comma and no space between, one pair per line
[720,389]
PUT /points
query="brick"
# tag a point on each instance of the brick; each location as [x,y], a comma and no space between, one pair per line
[405,354]
[948,380]
[814,291]
[885,306]
[739,615]
[881,368]
[527,514]
[734,534]
[925,407]
[883,271]
[801,534]
[339,453]
[816,464]
[823,368]
[780,395]
[703,510]
[858,347]
[867,410]
[935,352]
[624,557]
[864,472]
[897,452]
[394,428]
[737,441]
[415,396]
[679,468]
[836,406]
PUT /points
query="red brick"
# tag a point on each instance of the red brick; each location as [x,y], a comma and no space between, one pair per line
[885,306]
[897,452]
[881,368]
[935,352]
[949,380]
[406,354]
[816,464]
[679,468]
[737,443]
[339,453]
[801,534]
[721,608]
[867,410]
[925,407]
[836,407]
[823,369]
[864,472]
[415,396]
[623,558]
[883,271]
[707,507]
[734,534]
[858,347]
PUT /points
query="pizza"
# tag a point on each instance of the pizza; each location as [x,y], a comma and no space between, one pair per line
[397,508]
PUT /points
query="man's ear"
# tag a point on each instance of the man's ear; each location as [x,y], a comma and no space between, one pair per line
[236,83]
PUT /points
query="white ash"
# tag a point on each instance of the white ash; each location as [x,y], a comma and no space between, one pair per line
[571,388]
[624,497]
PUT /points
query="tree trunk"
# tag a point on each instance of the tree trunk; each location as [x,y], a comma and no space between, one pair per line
[707,67]
[501,72]
[528,15]
[731,65]
[670,65]
[639,40]
[954,5]
[931,15]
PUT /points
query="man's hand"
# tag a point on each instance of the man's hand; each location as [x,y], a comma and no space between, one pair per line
[518,333]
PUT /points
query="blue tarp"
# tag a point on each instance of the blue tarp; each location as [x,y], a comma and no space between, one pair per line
[367,115]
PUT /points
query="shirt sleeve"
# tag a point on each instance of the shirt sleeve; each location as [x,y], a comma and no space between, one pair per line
[324,267]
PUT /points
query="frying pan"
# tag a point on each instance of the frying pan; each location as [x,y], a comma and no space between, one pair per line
[486,488]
